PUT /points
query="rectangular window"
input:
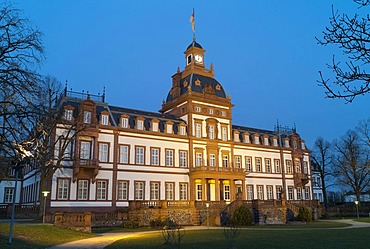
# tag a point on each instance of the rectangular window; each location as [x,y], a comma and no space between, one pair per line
[307,193]
[225,161]
[123,153]
[290,193]
[275,142]
[212,160]
[299,193]
[140,124]
[140,154]
[297,166]
[101,190]
[288,167]
[8,195]
[258,164]
[169,191]
[169,157]
[250,195]
[124,122]
[277,166]
[122,190]
[68,114]
[139,191]
[279,190]
[154,190]
[211,132]
[103,152]
[182,130]
[155,126]
[63,189]
[227,192]
[305,167]
[183,191]
[224,133]
[154,159]
[198,159]
[104,119]
[83,189]
[270,193]
[268,165]
[238,162]
[199,192]
[246,139]
[85,150]
[260,192]
[87,117]
[183,159]
[169,128]
[248,164]
[198,130]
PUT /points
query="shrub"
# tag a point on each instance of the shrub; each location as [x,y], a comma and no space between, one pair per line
[304,214]
[157,223]
[130,224]
[242,217]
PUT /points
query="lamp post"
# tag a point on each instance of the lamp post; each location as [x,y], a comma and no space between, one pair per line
[358,215]
[45,193]
[207,206]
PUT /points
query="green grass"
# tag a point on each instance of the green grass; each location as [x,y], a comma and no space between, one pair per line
[367,220]
[256,239]
[33,236]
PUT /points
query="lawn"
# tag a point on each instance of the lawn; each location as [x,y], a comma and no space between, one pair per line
[301,236]
[34,236]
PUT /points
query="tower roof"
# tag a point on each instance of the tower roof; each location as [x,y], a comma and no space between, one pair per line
[194,44]
[200,84]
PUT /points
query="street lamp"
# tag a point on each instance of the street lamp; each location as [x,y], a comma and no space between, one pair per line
[45,193]
[207,206]
[358,215]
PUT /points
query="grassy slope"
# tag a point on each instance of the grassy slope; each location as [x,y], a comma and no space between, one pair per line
[38,236]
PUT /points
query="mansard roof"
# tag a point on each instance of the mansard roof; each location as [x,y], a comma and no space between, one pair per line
[116,113]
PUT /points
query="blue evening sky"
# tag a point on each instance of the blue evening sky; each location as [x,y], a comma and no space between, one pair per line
[264,54]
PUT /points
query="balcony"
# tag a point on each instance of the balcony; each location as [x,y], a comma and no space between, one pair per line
[85,168]
[300,179]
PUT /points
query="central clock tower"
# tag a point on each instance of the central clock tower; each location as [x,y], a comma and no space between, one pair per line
[194,56]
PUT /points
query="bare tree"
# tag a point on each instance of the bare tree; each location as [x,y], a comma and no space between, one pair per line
[21,51]
[352,36]
[322,157]
[351,163]
[52,137]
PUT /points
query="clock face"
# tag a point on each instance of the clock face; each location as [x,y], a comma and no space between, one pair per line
[198,58]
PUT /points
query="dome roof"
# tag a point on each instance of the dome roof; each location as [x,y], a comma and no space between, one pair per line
[201,84]
[194,44]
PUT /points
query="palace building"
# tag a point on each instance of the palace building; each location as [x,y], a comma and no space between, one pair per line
[186,156]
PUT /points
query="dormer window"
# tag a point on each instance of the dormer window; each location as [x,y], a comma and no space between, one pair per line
[124,122]
[182,130]
[104,119]
[266,141]
[246,138]
[155,126]
[140,124]
[87,117]
[256,139]
[68,114]
[275,143]
[169,128]
[286,143]
[236,137]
